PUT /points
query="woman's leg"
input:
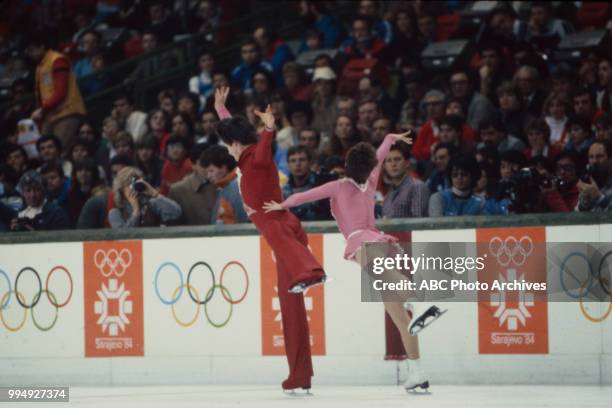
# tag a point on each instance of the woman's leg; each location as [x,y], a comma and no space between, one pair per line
[401,319]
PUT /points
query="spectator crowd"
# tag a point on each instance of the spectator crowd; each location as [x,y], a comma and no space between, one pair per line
[507,129]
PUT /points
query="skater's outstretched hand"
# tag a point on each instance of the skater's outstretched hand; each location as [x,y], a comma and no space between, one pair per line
[403,137]
[221,96]
[266,117]
[272,206]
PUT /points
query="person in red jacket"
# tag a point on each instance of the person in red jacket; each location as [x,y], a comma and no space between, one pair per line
[297,269]
[176,166]
[428,134]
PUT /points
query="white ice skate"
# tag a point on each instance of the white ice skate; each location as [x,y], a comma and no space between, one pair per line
[423,314]
[416,381]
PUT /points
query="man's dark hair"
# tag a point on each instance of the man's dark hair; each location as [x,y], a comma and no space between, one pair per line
[541,4]
[126,96]
[316,132]
[403,148]
[172,140]
[300,106]
[467,72]
[46,138]
[217,156]
[122,159]
[579,120]
[94,33]
[584,91]
[52,167]
[237,129]
[297,149]
[266,74]
[360,161]
[453,121]
[491,121]
[250,41]
[195,99]
[467,163]
[452,149]
[502,9]
[538,125]
[85,143]
[361,17]
[514,157]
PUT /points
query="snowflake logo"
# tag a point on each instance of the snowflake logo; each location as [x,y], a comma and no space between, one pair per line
[511,316]
[108,295]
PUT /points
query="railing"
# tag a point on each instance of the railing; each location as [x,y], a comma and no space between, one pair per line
[395,225]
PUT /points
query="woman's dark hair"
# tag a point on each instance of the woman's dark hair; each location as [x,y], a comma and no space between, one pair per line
[164,114]
[237,129]
[188,121]
[360,161]
[335,144]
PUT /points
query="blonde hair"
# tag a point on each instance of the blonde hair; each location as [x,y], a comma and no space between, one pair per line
[122,180]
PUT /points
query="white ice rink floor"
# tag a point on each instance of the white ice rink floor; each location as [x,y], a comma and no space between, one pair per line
[259,396]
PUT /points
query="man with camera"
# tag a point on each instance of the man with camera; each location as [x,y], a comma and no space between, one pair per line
[38,213]
[596,185]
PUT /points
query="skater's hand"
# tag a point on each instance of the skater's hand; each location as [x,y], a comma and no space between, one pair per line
[266,117]
[403,137]
[272,206]
[221,96]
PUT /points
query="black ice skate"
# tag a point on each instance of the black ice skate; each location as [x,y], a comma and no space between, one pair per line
[431,315]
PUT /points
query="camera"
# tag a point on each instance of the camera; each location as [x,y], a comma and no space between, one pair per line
[523,189]
[137,185]
[23,224]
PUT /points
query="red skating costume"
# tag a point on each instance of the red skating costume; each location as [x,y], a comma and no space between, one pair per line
[294,262]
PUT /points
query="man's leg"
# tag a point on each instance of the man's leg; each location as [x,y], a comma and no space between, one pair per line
[295,330]
[66,130]
[284,239]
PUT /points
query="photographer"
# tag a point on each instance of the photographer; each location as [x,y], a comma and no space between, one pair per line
[560,194]
[135,203]
[38,212]
[596,185]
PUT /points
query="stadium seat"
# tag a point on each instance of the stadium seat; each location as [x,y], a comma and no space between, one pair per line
[593,15]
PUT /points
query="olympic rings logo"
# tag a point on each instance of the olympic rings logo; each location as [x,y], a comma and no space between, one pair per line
[511,250]
[195,295]
[587,285]
[113,261]
[22,301]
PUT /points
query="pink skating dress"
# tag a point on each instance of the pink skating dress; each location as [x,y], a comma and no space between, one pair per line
[352,205]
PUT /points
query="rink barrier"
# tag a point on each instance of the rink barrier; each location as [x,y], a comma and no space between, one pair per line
[313,227]
[102,335]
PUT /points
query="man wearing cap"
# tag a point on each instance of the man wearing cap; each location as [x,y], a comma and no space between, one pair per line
[324,100]
[38,213]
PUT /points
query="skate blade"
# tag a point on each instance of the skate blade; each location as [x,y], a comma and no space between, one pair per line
[414,330]
[300,289]
[298,394]
[419,389]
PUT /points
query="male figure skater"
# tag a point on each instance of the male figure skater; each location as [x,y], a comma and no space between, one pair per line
[296,267]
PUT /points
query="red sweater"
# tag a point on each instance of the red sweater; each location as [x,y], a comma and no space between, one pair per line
[172,173]
[421,149]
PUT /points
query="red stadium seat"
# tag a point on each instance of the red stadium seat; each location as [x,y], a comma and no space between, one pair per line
[133,47]
[447,26]
[593,15]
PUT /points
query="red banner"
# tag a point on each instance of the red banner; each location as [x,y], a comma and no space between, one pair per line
[512,322]
[271,325]
[113,298]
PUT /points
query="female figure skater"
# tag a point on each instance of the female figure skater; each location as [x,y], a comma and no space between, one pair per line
[352,204]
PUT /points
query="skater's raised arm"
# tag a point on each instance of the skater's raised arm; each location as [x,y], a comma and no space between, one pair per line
[383,151]
[220,98]
[327,190]
[263,151]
